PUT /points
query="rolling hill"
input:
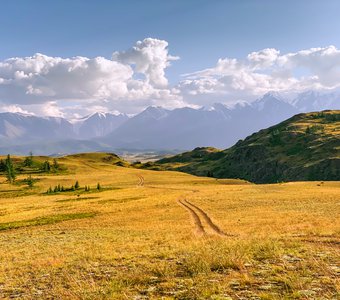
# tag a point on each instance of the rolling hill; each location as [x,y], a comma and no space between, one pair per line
[304,147]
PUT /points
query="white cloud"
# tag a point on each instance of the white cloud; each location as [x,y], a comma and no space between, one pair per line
[41,78]
[150,57]
[14,109]
[55,81]
[135,78]
[264,71]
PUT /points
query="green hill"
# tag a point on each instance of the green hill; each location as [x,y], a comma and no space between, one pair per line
[304,147]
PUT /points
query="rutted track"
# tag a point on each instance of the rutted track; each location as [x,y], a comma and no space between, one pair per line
[140,180]
[207,219]
[199,215]
[198,224]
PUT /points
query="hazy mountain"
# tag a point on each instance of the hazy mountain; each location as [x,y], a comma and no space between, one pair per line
[16,128]
[20,133]
[316,101]
[98,124]
[186,128]
[304,147]
[157,128]
[61,147]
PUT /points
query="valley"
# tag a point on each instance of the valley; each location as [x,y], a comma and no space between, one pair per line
[147,234]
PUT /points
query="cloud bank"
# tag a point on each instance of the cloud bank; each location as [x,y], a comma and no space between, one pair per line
[263,71]
[50,82]
[135,78]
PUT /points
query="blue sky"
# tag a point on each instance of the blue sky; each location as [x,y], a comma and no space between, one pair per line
[198,31]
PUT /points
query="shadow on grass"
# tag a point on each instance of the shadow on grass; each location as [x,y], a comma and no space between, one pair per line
[45,220]
[76,199]
[81,191]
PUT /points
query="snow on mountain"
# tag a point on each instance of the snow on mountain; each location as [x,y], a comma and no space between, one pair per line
[316,101]
[158,128]
[99,124]
[186,128]
[17,127]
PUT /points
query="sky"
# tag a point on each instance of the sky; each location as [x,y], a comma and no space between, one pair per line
[73,57]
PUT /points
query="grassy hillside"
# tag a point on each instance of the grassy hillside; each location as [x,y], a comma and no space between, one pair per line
[304,147]
[169,235]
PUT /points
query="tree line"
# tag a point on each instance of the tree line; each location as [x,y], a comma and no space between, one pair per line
[60,188]
[11,169]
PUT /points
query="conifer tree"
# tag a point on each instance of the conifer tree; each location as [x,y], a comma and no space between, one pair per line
[46,167]
[28,162]
[55,164]
[76,186]
[98,186]
[10,172]
[2,165]
[30,181]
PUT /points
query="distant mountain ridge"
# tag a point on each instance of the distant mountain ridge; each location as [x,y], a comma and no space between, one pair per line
[304,147]
[98,124]
[18,128]
[156,128]
[186,128]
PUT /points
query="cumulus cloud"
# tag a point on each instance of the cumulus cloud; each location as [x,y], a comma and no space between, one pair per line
[41,78]
[263,71]
[150,58]
[52,81]
[133,79]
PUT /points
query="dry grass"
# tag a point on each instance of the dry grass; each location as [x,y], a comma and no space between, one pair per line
[135,241]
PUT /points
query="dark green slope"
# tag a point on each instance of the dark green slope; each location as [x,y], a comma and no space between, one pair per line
[304,147]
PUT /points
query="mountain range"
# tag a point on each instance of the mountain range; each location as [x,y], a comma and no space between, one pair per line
[155,128]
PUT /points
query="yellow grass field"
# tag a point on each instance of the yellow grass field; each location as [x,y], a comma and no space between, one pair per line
[167,235]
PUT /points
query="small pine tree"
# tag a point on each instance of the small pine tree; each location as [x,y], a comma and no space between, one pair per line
[30,181]
[55,164]
[98,186]
[28,162]
[55,189]
[62,188]
[76,186]
[59,188]
[50,191]
[10,172]
[2,165]
[88,188]
[46,167]
[73,188]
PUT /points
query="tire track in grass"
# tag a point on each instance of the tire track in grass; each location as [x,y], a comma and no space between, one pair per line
[140,180]
[197,221]
[206,218]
